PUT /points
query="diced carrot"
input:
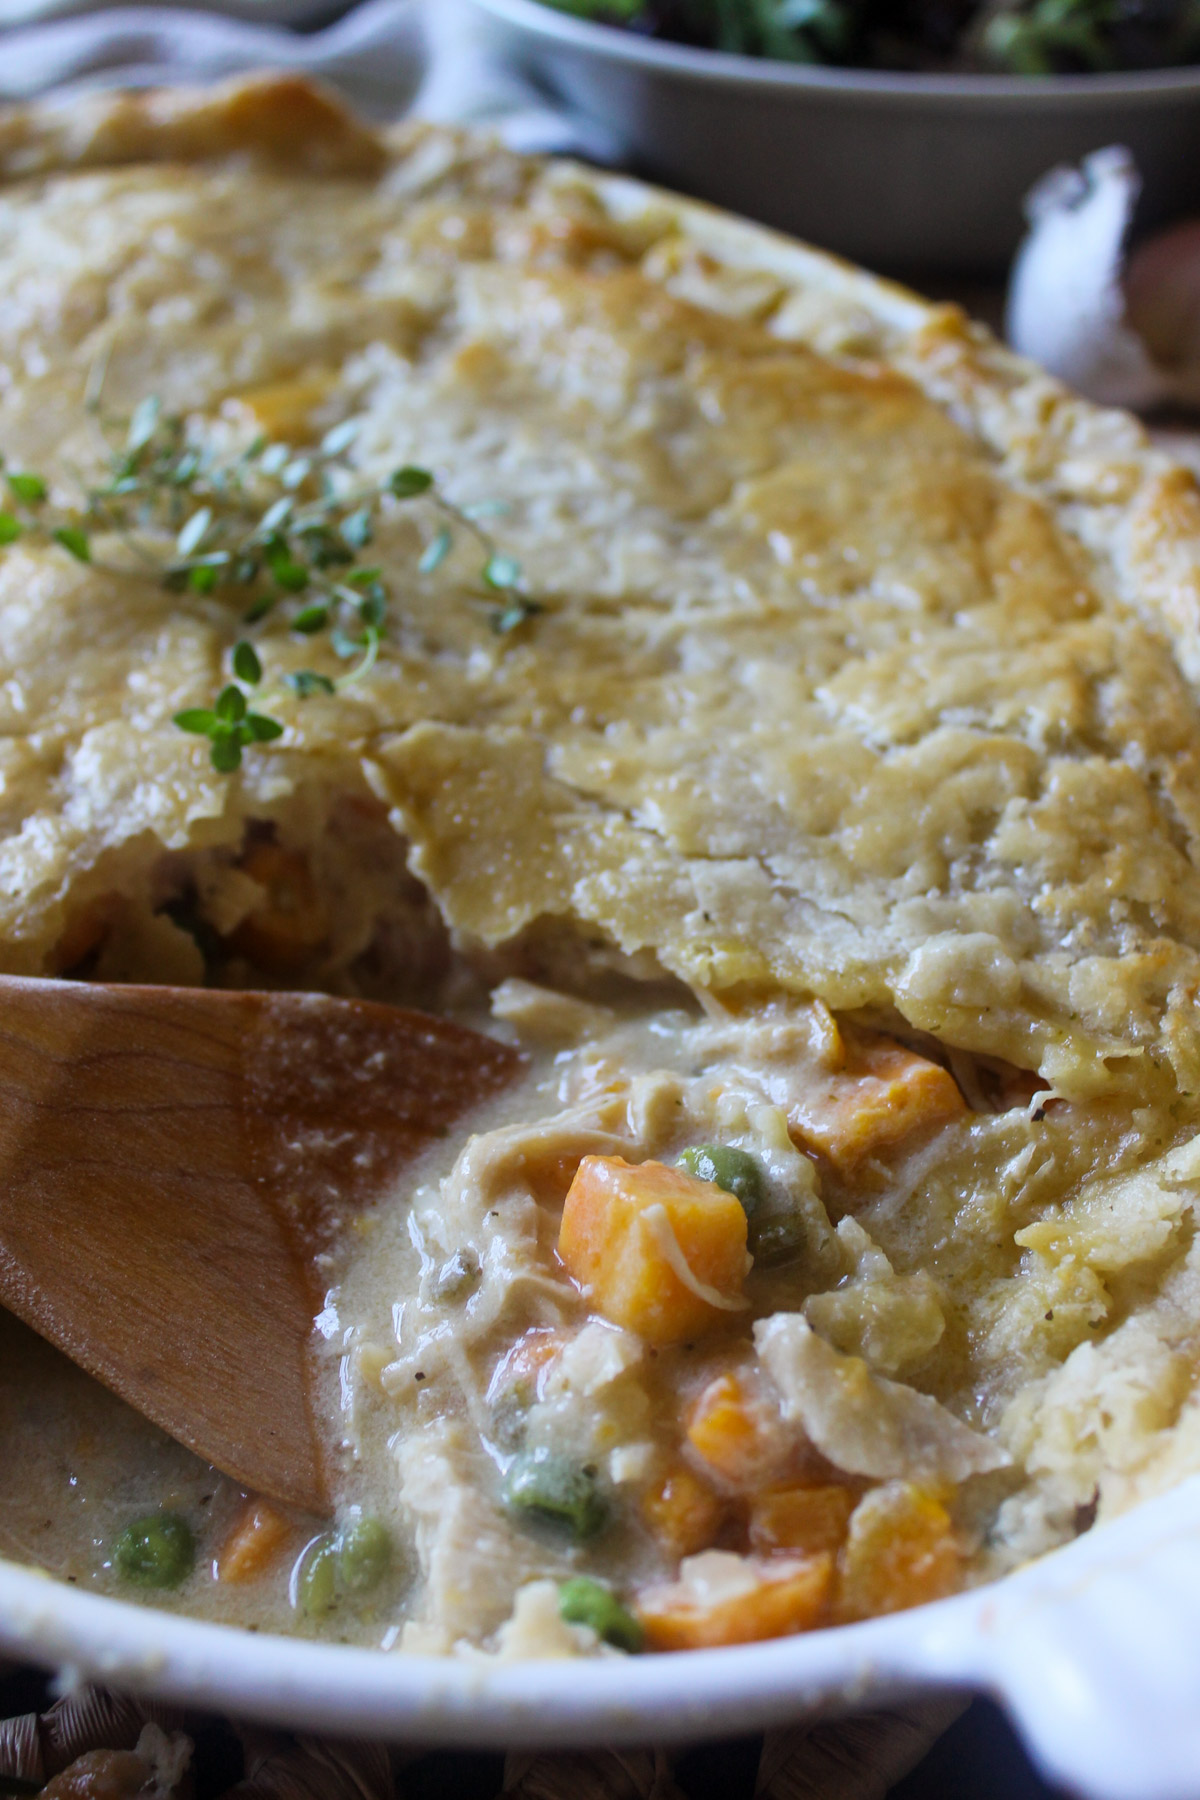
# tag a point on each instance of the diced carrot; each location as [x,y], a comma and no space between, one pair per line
[883,1095]
[281,409]
[810,1519]
[653,1248]
[739,1435]
[901,1550]
[722,1599]
[683,1512]
[255,1538]
[282,933]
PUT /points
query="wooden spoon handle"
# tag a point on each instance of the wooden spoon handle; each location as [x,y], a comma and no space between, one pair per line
[158,1194]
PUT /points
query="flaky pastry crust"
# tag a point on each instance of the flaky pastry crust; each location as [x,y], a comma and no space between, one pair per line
[886,691]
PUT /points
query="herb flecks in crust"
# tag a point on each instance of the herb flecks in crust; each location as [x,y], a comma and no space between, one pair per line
[274,528]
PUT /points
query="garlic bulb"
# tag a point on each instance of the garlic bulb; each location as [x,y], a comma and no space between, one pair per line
[1123,335]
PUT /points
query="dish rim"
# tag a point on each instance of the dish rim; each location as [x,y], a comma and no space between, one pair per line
[1145,87]
[470,1699]
[1104,1691]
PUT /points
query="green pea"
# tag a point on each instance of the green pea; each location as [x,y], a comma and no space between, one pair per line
[158,1551]
[582,1601]
[315,1577]
[734,1170]
[778,1232]
[777,1237]
[549,1489]
[364,1554]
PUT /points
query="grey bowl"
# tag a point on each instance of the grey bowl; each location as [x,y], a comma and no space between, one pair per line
[901,172]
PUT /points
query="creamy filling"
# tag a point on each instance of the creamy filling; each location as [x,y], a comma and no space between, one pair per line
[749,1320]
[736,1441]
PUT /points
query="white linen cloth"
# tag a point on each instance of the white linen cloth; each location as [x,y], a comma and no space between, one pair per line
[1066,299]
[440,58]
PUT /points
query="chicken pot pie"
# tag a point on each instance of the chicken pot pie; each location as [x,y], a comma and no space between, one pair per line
[476,582]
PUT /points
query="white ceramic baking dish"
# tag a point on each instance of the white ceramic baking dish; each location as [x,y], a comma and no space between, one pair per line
[1094,1650]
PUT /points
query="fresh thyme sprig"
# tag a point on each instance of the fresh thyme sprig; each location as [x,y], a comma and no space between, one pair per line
[280,530]
[228,724]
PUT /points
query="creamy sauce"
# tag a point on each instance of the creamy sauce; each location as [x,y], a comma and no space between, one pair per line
[874,1349]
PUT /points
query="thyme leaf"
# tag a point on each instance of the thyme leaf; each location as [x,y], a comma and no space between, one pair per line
[74,541]
[311,620]
[246,665]
[272,526]
[30,489]
[307,682]
[436,551]
[501,572]
[409,481]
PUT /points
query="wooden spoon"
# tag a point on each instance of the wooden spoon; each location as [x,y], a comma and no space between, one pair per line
[172,1160]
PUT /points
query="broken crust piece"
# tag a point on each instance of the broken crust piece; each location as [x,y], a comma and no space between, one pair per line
[864,1423]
